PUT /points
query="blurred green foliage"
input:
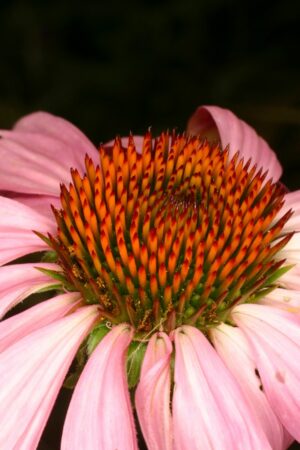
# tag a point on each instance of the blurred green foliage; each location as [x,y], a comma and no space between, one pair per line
[115,66]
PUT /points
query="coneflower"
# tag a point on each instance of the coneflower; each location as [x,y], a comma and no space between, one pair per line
[172,266]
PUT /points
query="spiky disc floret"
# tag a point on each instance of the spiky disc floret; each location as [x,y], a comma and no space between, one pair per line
[176,234]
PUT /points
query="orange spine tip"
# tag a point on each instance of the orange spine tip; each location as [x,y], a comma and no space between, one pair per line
[123,251]
[162,275]
[142,276]
[135,246]
[144,255]
[184,269]
[153,285]
[119,272]
[152,264]
[168,295]
[110,259]
[176,282]
[152,241]
[90,169]
[96,260]
[87,189]
[130,285]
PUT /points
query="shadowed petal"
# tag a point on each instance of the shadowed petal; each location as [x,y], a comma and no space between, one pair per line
[222,123]
[152,396]
[16,224]
[31,373]
[209,409]
[18,281]
[19,325]
[274,335]
[100,416]
[230,341]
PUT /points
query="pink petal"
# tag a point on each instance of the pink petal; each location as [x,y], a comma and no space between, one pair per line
[286,299]
[230,341]
[100,415]
[39,153]
[291,251]
[275,337]
[19,325]
[16,224]
[40,203]
[54,126]
[291,279]
[152,396]
[18,281]
[237,134]
[209,409]
[32,371]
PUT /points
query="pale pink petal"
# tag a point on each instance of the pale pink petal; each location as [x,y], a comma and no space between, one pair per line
[18,281]
[152,398]
[239,135]
[275,338]
[100,415]
[40,203]
[291,251]
[209,409]
[291,279]
[283,298]
[17,223]
[229,341]
[19,325]
[32,371]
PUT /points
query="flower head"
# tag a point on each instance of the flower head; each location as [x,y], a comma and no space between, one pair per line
[168,256]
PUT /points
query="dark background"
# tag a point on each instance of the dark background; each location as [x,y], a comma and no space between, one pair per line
[111,67]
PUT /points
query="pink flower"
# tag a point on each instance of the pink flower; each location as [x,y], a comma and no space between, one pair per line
[171,269]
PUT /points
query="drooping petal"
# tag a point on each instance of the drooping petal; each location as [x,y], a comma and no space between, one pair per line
[229,341]
[16,224]
[39,152]
[54,126]
[283,298]
[18,281]
[152,396]
[31,373]
[239,135]
[209,408]
[19,325]
[99,415]
[275,337]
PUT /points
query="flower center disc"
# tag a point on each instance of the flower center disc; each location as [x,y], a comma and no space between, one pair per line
[178,233]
